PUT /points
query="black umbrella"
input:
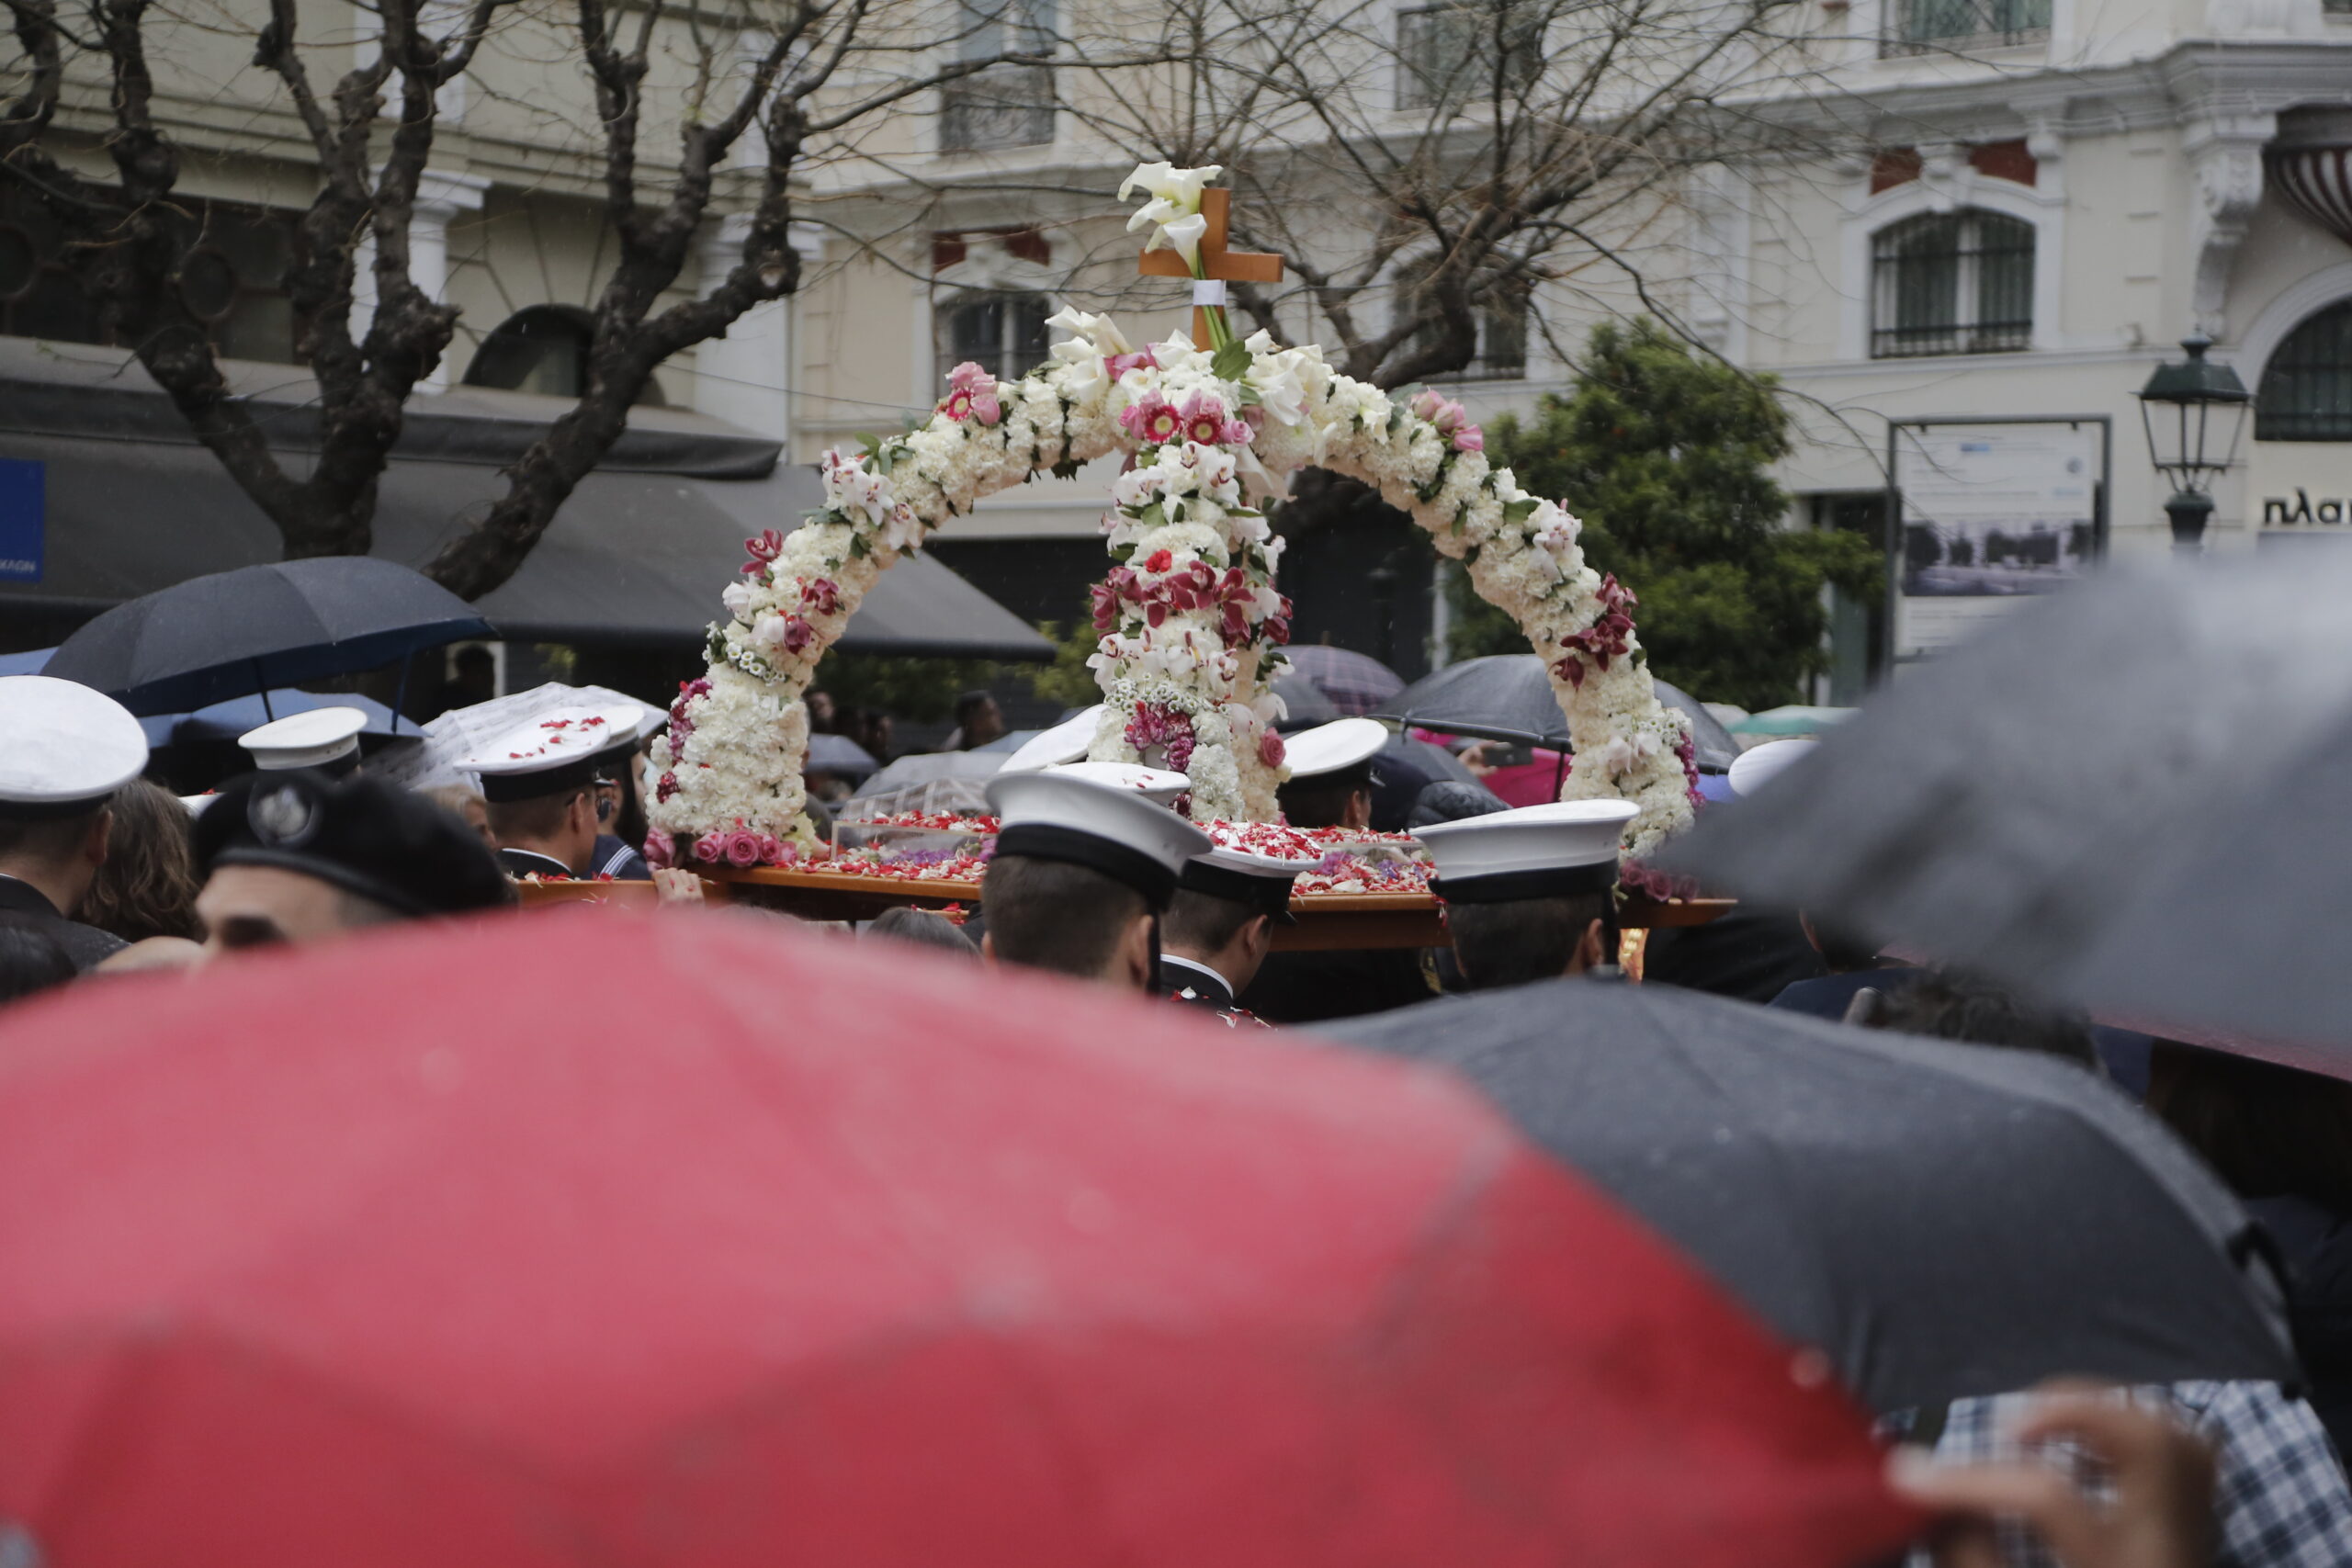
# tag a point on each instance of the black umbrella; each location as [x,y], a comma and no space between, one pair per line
[2001,806]
[1942,1221]
[1504,696]
[221,636]
[1304,704]
[1403,767]
[1508,696]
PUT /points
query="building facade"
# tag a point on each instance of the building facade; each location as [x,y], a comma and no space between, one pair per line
[1982,208]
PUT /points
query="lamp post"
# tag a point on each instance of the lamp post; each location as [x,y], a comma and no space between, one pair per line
[2185,408]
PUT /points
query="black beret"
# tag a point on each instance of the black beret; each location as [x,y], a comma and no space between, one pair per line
[363,835]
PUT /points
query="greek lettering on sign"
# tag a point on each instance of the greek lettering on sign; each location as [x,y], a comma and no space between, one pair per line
[2279,512]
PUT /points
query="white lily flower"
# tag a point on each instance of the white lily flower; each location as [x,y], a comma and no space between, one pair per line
[1183,236]
[1159,209]
[1166,182]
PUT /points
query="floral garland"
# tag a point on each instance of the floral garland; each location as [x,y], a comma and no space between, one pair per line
[1189,619]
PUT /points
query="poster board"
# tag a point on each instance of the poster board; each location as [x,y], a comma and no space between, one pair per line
[1984,514]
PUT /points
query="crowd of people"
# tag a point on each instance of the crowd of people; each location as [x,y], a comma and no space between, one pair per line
[1095,878]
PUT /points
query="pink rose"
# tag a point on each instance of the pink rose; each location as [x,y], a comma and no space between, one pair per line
[710,849]
[1271,749]
[658,849]
[1469,438]
[743,849]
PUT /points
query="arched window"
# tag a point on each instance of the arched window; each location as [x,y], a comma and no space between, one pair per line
[1951,282]
[2306,392]
[1003,332]
[543,349]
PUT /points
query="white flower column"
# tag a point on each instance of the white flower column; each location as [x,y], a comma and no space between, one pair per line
[744,376]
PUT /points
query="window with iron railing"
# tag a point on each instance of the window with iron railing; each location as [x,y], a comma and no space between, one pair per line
[231,276]
[1501,352]
[1003,333]
[1006,105]
[1951,282]
[2306,390]
[1456,53]
[1926,26]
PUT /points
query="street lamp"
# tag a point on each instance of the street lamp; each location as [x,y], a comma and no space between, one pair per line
[2184,407]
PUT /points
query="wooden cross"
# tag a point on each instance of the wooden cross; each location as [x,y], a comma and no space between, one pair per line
[1216,262]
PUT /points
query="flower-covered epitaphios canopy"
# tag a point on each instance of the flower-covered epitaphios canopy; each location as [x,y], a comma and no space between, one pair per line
[1189,619]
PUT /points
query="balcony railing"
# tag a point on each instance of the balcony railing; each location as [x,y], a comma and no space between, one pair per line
[1005,106]
[1935,26]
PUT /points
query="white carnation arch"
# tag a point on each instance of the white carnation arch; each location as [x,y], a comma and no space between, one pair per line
[1191,608]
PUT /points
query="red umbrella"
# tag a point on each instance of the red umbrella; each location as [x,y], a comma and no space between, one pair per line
[591,1239]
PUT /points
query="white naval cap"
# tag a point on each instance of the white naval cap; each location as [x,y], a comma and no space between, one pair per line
[1155,784]
[556,749]
[318,738]
[1328,748]
[1063,815]
[63,747]
[1065,742]
[1241,877]
[1754,767]
[1537,851]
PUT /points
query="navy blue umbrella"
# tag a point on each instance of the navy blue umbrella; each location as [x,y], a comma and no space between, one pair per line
[232,633]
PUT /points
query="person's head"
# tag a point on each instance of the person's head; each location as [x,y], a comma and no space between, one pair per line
[1085,863]
[1072,919]
[979,718]
[146,887]
[1451,800]
[1231,938]
[1225,911]
[1948,1004]
[31,959]
[1527,940]
[1341,798]
[1842,952]
[1331,773]
[326,738]
[920,928]
[64,750]
[2267,1131]
[297,858]
[473,675]
[467,807]
[58,855]
[1530,895]
[561,826]
[539,779]
[821,715]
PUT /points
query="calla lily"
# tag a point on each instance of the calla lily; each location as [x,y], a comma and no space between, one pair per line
[1183,236]
[1182,188]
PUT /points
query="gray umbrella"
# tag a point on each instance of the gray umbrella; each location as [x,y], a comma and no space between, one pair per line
[1942,1221]
[1508,696]
[2233,937]
[1999,806]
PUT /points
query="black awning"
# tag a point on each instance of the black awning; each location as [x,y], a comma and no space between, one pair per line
[634,556]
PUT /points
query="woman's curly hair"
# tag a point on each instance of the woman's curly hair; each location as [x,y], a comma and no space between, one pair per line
[147,887]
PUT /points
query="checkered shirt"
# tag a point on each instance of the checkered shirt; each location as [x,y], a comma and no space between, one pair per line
[2281,1495]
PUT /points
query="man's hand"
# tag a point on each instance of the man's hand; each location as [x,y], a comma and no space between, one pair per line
[678,887]
[2162,1515]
